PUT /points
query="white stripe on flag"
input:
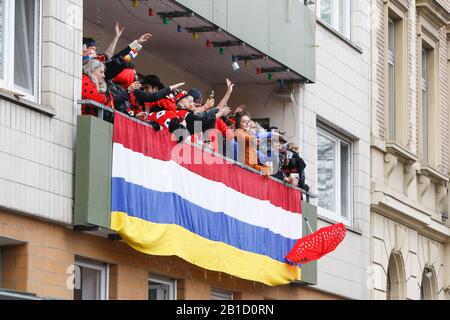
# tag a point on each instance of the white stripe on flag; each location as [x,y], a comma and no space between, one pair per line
[168,176]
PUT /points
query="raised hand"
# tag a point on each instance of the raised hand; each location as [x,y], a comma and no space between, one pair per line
[134,86]
[230,86]
[119,30]
[144,38]
[223,112]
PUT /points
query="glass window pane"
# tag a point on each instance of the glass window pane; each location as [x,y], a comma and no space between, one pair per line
[217,294]
[90,285]
[345,17]
[2,39]
[24,49]
[345,179]
[326,175]
[391,107]
[391,36]
[425,125]
[158,291]
[326,11]
[424,64]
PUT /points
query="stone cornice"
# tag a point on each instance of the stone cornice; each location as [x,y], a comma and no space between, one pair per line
[434,12]
[402,210]
[404,155]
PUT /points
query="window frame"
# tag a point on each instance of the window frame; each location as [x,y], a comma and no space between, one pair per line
[429,42]
[337,214]
[391,86]
[342,23]
[425,102]
[221,292]
[7,80]
[104,275]
[171,283]
[396,127]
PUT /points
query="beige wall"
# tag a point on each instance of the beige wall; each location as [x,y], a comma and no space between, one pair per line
[407,199]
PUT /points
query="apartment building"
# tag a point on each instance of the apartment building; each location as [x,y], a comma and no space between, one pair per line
[50,250]
[410,247]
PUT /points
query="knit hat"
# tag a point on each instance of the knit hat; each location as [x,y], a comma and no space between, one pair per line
[194,93]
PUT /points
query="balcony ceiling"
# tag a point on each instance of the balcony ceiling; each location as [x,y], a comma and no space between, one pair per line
[180,47]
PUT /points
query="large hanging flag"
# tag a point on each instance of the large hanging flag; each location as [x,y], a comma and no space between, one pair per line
[174,199]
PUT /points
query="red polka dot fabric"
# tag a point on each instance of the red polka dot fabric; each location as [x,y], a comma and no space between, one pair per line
[317,244]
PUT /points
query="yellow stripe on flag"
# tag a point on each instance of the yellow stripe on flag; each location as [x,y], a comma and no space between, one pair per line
[170,239]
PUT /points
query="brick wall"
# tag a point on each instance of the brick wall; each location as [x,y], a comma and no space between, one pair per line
[41,265]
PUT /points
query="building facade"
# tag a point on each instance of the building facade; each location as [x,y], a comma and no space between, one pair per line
[409,150]
[330,119]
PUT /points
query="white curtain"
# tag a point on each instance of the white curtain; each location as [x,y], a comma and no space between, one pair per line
[24,44]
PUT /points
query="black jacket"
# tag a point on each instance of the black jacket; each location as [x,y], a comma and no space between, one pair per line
[115,65]
[142,97]
[120,96]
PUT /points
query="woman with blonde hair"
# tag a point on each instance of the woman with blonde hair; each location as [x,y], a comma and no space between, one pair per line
[94,86]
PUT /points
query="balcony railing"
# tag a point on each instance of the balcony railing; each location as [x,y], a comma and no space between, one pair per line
[102,110]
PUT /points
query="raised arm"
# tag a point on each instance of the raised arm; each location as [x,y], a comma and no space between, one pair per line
[112,46]
[142,97]
[227,96]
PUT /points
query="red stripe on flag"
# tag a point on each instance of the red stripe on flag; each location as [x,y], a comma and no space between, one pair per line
[158,145]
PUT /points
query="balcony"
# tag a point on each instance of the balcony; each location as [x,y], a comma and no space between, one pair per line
[93,179]
[196,42]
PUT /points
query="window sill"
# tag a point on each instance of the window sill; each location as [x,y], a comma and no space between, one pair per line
[400,152]
[15,98]
[434,175]
[339,35]
[328,220]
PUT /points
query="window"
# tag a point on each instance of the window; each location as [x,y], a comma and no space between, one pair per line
[334,176]
[218,294]
[160,288]
[391,80]
[91,281]
[20,46]
[336,13]
[428,287]
[425,103]
[395,279]
[396,75]
[429,111]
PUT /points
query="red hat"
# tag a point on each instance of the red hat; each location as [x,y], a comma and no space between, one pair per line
[125,78]
[181,96]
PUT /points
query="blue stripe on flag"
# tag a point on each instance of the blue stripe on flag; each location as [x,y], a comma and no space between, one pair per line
[170,208]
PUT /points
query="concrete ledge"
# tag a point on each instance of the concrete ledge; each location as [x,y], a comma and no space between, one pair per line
[14,98]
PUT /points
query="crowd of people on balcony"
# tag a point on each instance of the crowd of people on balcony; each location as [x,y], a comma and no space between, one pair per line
[113,81]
